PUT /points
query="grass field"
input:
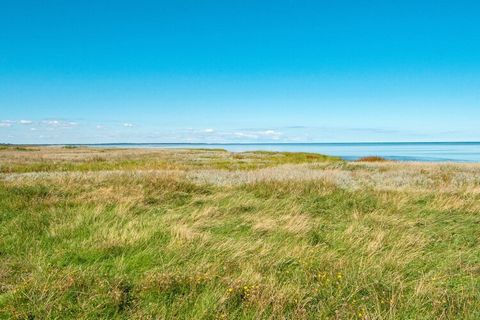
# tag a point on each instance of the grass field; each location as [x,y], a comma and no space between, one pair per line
[202,234]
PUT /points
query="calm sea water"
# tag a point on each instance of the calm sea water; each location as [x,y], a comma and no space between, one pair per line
[404,151]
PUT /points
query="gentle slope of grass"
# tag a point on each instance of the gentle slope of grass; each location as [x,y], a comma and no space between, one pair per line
[198,234]
[93,159]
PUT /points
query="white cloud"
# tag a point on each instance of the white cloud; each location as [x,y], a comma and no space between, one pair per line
[245,135]
[252,134]
[58,123]
[272,134]
[55,129]
[51,122]
[214,135]
[6,123]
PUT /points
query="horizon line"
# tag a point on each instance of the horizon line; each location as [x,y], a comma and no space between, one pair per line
[234,143]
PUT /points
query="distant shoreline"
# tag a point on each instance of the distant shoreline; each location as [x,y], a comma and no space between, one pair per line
[244,143]
[467,151]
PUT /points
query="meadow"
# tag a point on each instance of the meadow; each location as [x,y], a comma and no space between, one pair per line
[90,233]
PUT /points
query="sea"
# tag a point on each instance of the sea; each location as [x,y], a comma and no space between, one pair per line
[400,151]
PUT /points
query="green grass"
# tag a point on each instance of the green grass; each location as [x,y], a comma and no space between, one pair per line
[4,147]
[161,245]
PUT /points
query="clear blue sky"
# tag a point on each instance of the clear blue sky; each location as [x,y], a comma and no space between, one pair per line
[231,71]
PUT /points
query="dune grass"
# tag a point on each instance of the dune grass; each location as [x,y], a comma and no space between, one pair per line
[201,234]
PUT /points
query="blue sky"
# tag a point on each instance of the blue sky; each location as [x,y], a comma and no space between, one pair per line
[239,71]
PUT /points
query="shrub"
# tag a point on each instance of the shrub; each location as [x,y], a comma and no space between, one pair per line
[372,159]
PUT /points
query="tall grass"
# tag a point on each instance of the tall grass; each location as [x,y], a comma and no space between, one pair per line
[166,237]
